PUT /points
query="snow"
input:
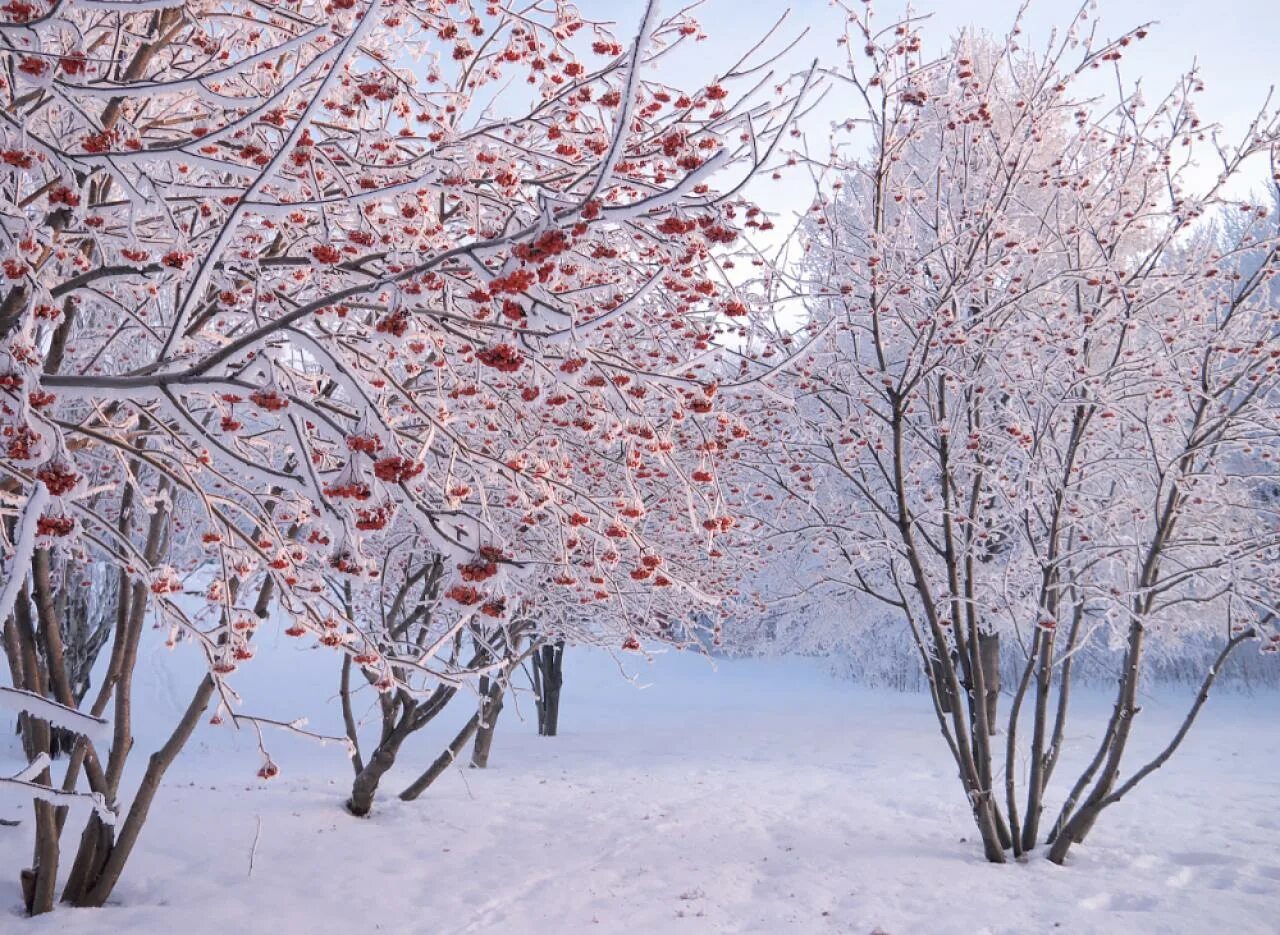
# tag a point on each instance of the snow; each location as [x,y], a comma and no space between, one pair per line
[16,788]
[23,545]
[16,700]
[763,796]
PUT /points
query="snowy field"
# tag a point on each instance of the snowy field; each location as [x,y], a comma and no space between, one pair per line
[759,797]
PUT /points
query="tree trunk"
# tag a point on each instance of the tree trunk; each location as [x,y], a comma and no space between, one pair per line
[366,782]
[414,717]
[1036,782]
[112,850]
[490,707]
[1081,823]
[989,653]
[945,699]
[63,741]
[40,879]
[443,761]
[1126,710]
[51,645]
[1071,833]
[548,677]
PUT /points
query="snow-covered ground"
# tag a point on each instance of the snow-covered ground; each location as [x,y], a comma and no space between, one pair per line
[756,797]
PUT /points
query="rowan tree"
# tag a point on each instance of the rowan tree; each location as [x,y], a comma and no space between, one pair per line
[284,280]
[1035,398]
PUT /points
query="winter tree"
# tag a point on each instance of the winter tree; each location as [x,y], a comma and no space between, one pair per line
[297,293]
[1035,399]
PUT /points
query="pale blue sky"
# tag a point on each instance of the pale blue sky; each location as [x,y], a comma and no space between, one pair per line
[1236,43]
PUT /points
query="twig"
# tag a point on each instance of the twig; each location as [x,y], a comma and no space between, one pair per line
[253,849]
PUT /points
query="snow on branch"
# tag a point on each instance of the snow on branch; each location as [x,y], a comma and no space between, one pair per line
[24,545]
[19,787]
[17,700]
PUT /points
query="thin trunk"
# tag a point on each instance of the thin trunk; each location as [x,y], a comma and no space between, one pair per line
[976,791]
[1106,781]
[101,887]
[491,698]
[13,653]
[1082,822]
[40,879]
[53,652]
[1064,693]
[98,843]
[104,849]
[945,700]
[59,683]
[348,716]
[989,653]
[1011,751]
[443,761]
[122,715]
[1087,776]
[1039,728]
[1072,828]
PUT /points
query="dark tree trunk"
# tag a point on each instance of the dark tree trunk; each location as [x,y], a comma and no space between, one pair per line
[366,782]
[443,761]
[63,741]
[945,700]
[413,718]
[490,707]
[548,677]
[1073,830]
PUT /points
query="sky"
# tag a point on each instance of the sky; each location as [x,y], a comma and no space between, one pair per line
[1235,43]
